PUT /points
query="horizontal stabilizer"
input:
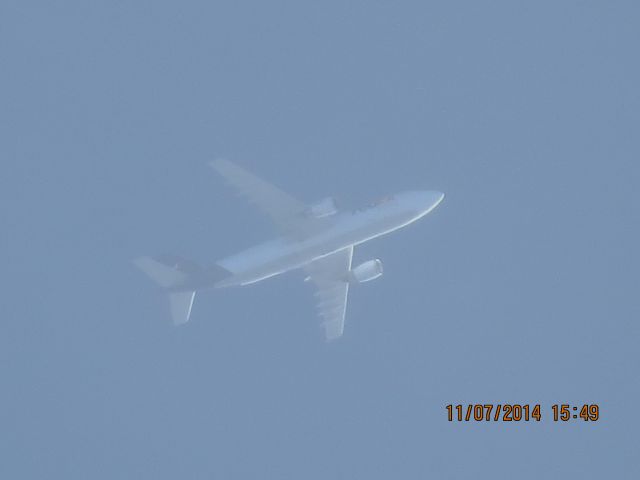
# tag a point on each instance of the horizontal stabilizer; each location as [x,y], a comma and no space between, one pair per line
[333,329]
[167,276]
[181,279]
[181,303]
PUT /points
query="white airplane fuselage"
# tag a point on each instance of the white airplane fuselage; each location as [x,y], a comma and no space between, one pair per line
[346,229]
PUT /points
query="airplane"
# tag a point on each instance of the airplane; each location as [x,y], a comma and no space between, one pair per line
[317,238]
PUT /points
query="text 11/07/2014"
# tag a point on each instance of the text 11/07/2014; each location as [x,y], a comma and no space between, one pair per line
[487,412]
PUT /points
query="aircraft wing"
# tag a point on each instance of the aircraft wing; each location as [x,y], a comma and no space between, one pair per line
[329,274]
[286,212]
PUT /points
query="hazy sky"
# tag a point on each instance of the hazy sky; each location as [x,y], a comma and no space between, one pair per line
[521,287]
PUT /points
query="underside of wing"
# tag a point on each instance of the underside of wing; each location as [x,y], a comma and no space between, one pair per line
[288,213]
[329,274]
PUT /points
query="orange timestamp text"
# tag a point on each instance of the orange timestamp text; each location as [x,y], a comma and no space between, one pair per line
[515,412]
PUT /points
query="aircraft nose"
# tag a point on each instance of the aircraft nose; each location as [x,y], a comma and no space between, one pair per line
[439,196]
[432,199]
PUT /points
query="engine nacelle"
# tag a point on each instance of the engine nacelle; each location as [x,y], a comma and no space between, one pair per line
[324,208]
[366,271]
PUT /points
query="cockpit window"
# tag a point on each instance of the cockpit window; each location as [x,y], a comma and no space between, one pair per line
[380,201]
[384,199]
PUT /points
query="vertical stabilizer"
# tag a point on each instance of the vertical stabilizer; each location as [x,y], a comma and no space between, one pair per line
[181,279]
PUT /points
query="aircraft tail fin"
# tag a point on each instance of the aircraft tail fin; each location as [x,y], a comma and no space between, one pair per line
[181,303]
[163,273]
[182,278]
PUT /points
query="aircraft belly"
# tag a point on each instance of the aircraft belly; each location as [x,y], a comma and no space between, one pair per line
[280,256]
[274,266]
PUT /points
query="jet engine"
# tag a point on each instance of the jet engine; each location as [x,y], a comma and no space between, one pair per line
[366,271]
[324,208]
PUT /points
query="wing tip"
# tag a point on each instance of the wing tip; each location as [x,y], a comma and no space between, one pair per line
[333,330]
[220,163]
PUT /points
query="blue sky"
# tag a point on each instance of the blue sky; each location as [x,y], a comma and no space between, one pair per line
[521,287]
